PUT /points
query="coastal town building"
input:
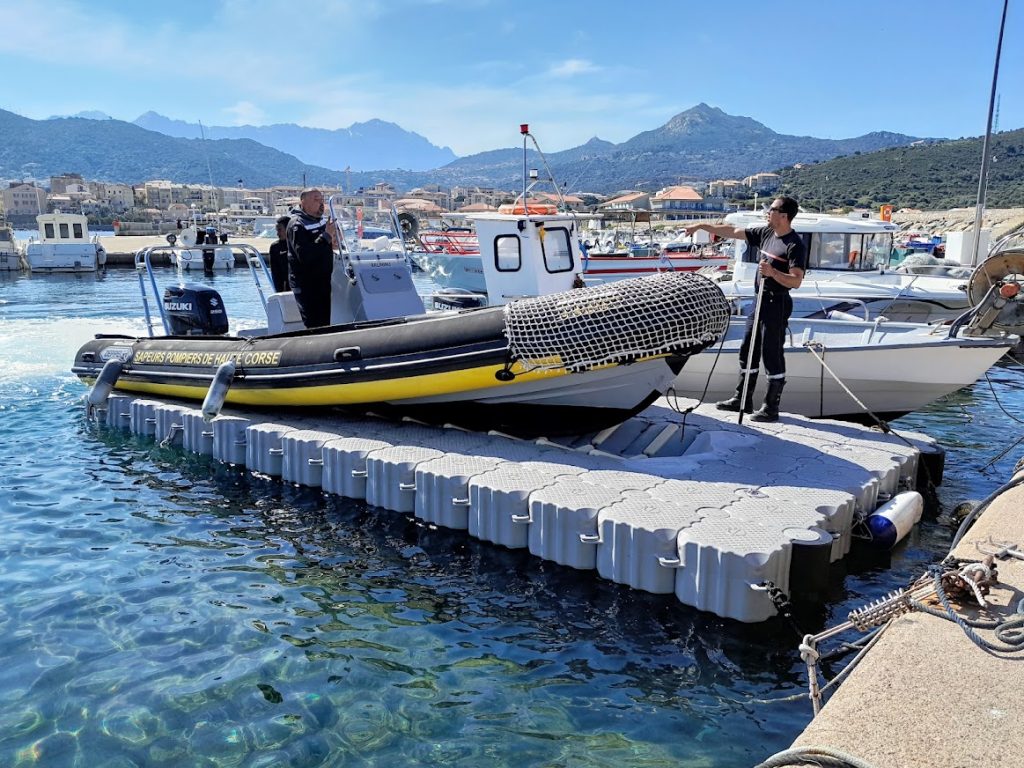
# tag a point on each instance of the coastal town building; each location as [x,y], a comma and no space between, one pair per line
[23,201]
[725,187]
[683,203]
[763,182]
[629,201]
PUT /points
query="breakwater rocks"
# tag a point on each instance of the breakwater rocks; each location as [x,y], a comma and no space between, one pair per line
[1000,220]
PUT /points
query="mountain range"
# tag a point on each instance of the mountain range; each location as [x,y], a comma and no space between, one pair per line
[361,146]
[701,143]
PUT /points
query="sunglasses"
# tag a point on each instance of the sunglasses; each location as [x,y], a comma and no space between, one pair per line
[773,209]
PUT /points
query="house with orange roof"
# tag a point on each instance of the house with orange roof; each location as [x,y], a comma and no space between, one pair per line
[631,201]
[682,203]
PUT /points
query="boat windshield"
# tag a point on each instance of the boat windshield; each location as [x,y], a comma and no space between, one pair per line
[847,251]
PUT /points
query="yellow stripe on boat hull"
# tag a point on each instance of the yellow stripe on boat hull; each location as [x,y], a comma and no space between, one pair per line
[381,390]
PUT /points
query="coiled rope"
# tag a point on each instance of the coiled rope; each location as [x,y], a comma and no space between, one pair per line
[826,757]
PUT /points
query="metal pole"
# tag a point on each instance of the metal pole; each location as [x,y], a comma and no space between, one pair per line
[983,180]
[750,352]
[525,130]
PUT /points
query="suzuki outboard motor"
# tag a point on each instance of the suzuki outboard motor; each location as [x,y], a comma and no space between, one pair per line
[195,310]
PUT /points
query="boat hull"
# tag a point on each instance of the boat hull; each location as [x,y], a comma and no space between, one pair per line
[191,259]
[452,368]
[892,368]
[64,257]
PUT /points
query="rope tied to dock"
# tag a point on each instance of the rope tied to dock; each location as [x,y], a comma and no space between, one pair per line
[813,347]
[1009,632]
[825,757]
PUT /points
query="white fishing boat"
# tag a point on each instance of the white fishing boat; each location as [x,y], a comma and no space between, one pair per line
[850,259]
[64,245]
[452,258]
[10,256]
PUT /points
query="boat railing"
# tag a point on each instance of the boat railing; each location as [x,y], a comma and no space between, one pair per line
[827,303]
[146,274]
[458,242]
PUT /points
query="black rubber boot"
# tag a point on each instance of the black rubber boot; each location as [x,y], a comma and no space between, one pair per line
[733,403]
[770,410]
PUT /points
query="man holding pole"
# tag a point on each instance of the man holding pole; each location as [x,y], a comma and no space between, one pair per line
[782,260]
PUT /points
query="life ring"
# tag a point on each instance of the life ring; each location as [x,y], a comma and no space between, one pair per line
[541,209]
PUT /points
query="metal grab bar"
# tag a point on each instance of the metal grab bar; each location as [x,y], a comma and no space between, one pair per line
[144,269]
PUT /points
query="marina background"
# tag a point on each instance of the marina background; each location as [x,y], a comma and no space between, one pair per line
[162,609]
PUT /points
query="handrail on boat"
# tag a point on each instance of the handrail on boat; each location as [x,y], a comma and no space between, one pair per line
[734,295]
[144,270]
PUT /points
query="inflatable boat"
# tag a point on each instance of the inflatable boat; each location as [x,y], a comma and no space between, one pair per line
[567,362]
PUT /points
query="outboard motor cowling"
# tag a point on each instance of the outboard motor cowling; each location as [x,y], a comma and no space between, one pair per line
[195,310]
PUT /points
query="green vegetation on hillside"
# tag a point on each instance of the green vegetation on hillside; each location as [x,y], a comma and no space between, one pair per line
[929,177]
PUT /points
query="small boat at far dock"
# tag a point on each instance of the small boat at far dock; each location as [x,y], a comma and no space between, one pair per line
[10,256]
[64,245]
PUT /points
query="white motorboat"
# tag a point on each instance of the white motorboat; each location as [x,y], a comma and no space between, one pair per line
[851,260]
[846,368]
[10,256]
[891,368]
[64,245]
[200,250]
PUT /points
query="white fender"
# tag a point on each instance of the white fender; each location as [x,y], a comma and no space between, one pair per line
[893,520]
[104,383]
[218,390]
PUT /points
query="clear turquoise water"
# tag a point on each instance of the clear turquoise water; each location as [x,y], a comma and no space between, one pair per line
[159,609]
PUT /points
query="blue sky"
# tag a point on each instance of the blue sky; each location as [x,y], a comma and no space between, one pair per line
[465,73]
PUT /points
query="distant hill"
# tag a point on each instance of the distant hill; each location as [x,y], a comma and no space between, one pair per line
[701,143]
[361,146]
[113,150]
[932,177]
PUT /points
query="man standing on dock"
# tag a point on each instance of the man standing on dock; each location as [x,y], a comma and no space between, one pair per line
[783,259]
[311,243]
[279,257]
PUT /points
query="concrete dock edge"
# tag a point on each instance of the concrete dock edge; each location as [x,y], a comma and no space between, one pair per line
[925,695]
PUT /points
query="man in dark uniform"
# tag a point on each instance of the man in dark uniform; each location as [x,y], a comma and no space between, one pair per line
[279,257]
[311,242]
[783,259]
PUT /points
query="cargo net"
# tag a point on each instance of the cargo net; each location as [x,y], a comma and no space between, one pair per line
[619,322]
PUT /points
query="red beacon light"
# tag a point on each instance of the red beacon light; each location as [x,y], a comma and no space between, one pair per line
[524,128]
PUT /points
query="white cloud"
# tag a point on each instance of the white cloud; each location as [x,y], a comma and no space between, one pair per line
[245,113]
[572,68]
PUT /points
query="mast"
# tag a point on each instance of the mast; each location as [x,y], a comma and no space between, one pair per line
[983,180]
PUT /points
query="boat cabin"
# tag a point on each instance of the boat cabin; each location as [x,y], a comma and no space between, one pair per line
[834,243]
[60,227]
[532,254]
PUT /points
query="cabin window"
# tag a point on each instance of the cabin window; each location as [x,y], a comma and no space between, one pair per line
[557,250]
[508,256]
[878,248]
[833,251]
[48,231]
[64,232]
[77,230]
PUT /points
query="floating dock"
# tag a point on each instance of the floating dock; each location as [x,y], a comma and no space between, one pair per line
[698,506]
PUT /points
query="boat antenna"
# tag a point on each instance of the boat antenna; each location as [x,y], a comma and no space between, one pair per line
[209,171]
[524,129]
[983,181]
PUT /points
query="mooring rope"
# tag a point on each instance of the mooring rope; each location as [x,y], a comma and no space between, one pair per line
[813,347]
[826,757]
